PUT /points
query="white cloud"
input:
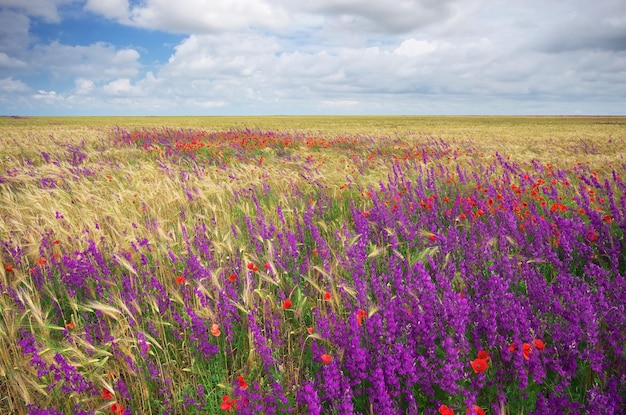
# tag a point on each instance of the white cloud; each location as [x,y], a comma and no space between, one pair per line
[14,36]
[413,47]
[120,87]
[192,16]
[47,10]
[111,9]
[83,86]
[99,61]
[47,95]
[10,85]
[394,16]
[11,63]
[219,56]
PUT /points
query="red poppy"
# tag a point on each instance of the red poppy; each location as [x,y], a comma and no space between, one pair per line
[243,385]
[479,365]
[309,330]
[482,354]
[327,296]
[69,326]
[8,268]
[106,394]
[266,265]
[180,280]
[360,316]
[591,236]
[215,330]
[287,304]
[512,347]
[117,409]
[475,410]
[232,278]
[252,267]
[444,410]
[539,344]
[326,358]
[527,350]
[607,219]
[56,242]
[41,261]
[227,403]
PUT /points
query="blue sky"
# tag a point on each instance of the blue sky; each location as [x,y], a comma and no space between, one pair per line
[284,57]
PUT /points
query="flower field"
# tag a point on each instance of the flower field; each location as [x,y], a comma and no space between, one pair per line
[151,269]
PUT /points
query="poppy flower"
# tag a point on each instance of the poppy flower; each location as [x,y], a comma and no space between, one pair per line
[232,278]
[512,347]
[287,304]
[243,385]
[327,296]
[69,326]
[479,365]
[266,265]
[117,409]
[539,344]
[444,410]
[227,403]
[180,280]
[475,410]
[592,236]
[106,394]
[483,354]
[607,219]
[252,267]
[8,268]
[326,358]
[215,330]
[309,330]
[41,261]
[527,350]
[360,316]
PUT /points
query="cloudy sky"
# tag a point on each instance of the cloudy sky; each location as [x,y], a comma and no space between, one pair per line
[266,57]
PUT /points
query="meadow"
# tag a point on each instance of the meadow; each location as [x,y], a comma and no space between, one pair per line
[312,265]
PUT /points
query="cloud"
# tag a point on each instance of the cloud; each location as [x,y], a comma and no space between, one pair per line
[14,32]
[47,10]
[215,16]
[10,85]
[192,16]
[99,61]
[120,87]
[412,47]
[219,56]
[83,86]
[47,95]
[111,9]
[394,16]
[7,62]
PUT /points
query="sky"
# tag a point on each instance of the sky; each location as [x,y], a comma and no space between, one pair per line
[314,57]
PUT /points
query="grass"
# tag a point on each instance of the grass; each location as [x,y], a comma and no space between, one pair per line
[118,251]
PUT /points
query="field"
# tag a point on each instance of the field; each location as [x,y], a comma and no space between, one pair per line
[313,265]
